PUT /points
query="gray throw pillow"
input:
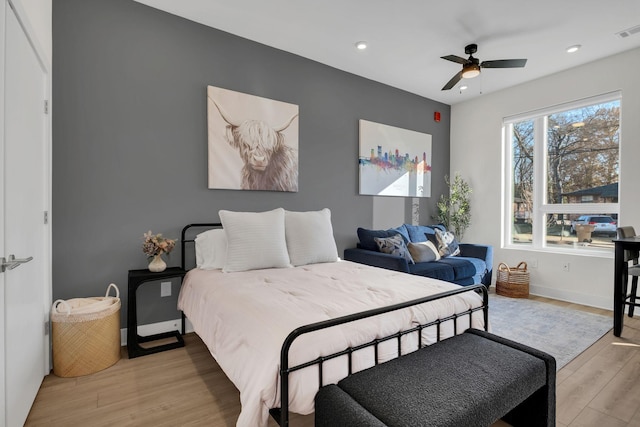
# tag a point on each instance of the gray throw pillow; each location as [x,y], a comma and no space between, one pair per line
[423,252]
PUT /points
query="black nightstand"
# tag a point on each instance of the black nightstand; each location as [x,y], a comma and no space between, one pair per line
[137,278]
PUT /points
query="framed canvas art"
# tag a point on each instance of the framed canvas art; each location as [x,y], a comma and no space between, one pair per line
[253,142]
[394,161]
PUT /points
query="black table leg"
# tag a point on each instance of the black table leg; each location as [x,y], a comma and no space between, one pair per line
[618,297]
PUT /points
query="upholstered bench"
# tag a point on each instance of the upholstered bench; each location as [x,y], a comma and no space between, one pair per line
[472,379]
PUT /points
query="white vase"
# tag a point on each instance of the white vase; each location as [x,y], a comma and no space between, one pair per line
[157,264]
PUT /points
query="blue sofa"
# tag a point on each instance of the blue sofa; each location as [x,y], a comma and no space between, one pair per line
[473,265]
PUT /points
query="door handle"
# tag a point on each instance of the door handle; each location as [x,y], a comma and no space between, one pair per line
[12,262]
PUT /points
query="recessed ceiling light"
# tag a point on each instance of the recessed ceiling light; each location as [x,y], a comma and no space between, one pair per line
[464,87]
[361,45]
[573,48]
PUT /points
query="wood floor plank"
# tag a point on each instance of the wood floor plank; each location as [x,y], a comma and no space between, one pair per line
[590,352]
[186,387]
[576,391]
[52,408]
[592,418]
[620,398]
[635,421]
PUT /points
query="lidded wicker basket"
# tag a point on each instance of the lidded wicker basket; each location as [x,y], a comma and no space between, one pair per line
[513,282]
[85,334]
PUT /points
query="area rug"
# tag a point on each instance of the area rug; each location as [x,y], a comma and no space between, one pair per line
[562,332]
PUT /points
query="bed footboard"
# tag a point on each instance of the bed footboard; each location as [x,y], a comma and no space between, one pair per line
[281,415]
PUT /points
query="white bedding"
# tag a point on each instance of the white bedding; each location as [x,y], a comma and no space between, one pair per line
[244,317]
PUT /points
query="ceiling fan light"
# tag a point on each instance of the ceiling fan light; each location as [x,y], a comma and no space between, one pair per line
[470,71]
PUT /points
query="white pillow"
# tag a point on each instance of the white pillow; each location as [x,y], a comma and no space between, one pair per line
[254,240]
[310,237]
[211,249]
[203,249]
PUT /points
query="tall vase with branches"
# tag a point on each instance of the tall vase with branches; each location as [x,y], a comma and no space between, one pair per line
[454,210]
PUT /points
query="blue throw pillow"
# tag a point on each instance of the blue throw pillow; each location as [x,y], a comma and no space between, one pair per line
[366,236]
[438,226]
[403,232]
[394,245]
[417,232]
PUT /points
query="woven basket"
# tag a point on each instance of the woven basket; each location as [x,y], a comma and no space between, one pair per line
[513,282]
[85,334]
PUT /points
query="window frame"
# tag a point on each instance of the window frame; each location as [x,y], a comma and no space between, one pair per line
[541,206]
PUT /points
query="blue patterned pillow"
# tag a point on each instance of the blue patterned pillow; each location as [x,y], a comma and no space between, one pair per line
[394,245]
[447,244]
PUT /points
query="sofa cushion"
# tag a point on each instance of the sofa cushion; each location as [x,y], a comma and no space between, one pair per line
[434,269]
[366,236]
[416,233]
[468,281]
[464,267]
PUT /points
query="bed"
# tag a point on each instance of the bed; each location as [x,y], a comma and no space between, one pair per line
[281,333]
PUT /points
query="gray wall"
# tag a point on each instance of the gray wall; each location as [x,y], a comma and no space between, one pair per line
[130,137]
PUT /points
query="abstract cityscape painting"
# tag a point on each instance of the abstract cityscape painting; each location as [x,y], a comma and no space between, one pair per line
[253,142]
[394,161]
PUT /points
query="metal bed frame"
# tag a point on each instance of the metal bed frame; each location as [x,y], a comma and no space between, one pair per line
[281,414]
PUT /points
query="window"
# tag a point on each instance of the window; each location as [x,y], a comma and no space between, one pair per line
[561,186]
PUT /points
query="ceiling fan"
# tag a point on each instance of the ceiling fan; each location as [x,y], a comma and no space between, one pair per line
[471,66]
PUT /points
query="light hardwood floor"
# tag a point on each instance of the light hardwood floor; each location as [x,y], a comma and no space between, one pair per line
[185,387]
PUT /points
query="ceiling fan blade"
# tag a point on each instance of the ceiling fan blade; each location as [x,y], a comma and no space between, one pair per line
[453,81]
[454,58]
[504,63]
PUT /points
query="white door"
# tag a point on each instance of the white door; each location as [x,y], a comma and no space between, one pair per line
[26,287]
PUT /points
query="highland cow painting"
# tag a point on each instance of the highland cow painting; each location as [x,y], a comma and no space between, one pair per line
[253,142]
[394,161]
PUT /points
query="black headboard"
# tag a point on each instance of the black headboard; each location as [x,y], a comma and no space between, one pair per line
[188,236]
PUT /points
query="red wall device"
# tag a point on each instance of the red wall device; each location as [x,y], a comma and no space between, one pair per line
[436,116]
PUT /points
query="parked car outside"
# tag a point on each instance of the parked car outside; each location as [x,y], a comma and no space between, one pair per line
[603,224]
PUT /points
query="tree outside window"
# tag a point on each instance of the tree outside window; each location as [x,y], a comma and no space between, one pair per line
[564,164]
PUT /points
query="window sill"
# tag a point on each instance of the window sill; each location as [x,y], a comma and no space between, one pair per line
[577,251]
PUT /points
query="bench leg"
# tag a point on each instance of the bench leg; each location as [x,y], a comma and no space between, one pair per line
[537,411]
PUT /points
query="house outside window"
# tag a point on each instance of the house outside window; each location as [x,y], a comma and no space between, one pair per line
[561,176]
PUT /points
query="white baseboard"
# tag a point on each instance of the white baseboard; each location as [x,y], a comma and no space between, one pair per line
[157,328]
[574,297]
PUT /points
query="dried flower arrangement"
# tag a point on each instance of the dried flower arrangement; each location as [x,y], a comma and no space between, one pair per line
[156,244]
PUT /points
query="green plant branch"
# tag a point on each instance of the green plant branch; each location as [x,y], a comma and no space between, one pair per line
[454,211]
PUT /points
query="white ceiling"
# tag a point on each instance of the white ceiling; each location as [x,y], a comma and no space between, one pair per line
[407,37]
